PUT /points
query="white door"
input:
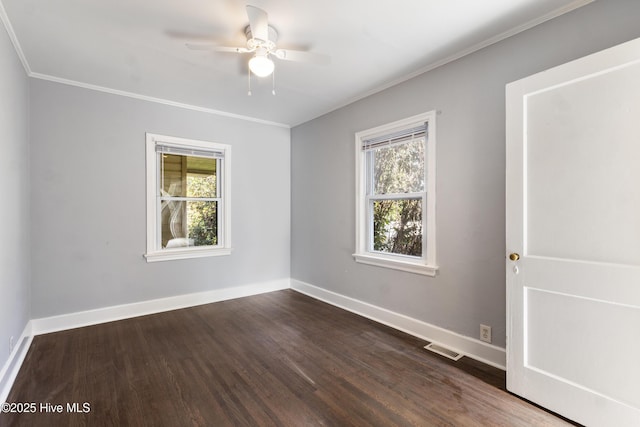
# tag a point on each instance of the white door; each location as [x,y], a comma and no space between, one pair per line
[573,223]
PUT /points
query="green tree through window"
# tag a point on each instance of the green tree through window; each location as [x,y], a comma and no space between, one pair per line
[398,178]
[202,217]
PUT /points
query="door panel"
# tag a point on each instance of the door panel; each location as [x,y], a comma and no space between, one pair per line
[573,216]
[575,343]
[592,125]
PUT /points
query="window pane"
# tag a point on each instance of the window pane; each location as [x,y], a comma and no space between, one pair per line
[203,223]
[201,185]
[397,226]
[399,168]
[189,223]
[187,176]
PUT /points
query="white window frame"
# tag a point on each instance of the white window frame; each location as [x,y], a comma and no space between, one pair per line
[425,265]
[154,250]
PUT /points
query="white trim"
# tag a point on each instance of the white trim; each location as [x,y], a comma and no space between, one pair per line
[14,40]
[126,311]
[468,51]
[426,264]
[488,42]
[491,41]
[63,322]
[154,99]
[154,253]
[470,347]
[186,253]
[397,264]
[475,349]
[12,366]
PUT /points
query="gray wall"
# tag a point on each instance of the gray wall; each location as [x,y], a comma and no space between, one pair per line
[88,201]
[14,209]
[470,93]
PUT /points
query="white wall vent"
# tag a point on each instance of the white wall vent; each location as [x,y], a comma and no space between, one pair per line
[444,351]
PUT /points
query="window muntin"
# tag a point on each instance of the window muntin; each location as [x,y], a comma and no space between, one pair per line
[187,198]
[395,219]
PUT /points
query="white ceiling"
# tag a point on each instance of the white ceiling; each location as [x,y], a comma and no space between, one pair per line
[137,47]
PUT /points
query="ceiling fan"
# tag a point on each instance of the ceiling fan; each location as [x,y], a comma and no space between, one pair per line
[261,42]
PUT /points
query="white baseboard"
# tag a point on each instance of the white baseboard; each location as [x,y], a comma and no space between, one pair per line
[470,347]
[475,349]
[11,368]
[108,314]
[63,322]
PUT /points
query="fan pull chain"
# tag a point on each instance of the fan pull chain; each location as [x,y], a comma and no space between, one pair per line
[249,81]
[273,83]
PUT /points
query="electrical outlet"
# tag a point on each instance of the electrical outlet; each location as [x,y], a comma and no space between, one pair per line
[485,333]
[10,343]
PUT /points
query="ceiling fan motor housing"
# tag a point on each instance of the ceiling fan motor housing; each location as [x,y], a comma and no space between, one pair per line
[253,43]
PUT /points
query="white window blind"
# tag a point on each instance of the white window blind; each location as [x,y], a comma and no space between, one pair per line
[181,151]
[393,138]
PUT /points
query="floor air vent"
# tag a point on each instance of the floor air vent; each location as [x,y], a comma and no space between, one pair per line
[443,351]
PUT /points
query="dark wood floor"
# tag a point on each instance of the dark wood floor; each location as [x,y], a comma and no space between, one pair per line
[274,359]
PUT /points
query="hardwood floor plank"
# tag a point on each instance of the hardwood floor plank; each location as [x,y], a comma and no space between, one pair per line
[277,359]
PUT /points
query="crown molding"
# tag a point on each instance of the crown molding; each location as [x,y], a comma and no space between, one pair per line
[154,99]
[4,18]
[14,40]
[488,42]
[476,47]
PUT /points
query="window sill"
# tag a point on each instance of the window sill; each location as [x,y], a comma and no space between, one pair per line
[397,264]
[170,255]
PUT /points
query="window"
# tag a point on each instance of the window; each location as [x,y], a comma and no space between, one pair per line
[188,201]
[395,207]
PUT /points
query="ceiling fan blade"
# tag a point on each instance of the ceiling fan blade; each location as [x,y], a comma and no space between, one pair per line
[214,48]
[301,56]
[259,23]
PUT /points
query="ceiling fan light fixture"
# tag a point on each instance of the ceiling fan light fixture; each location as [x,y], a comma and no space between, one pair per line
[261,65]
